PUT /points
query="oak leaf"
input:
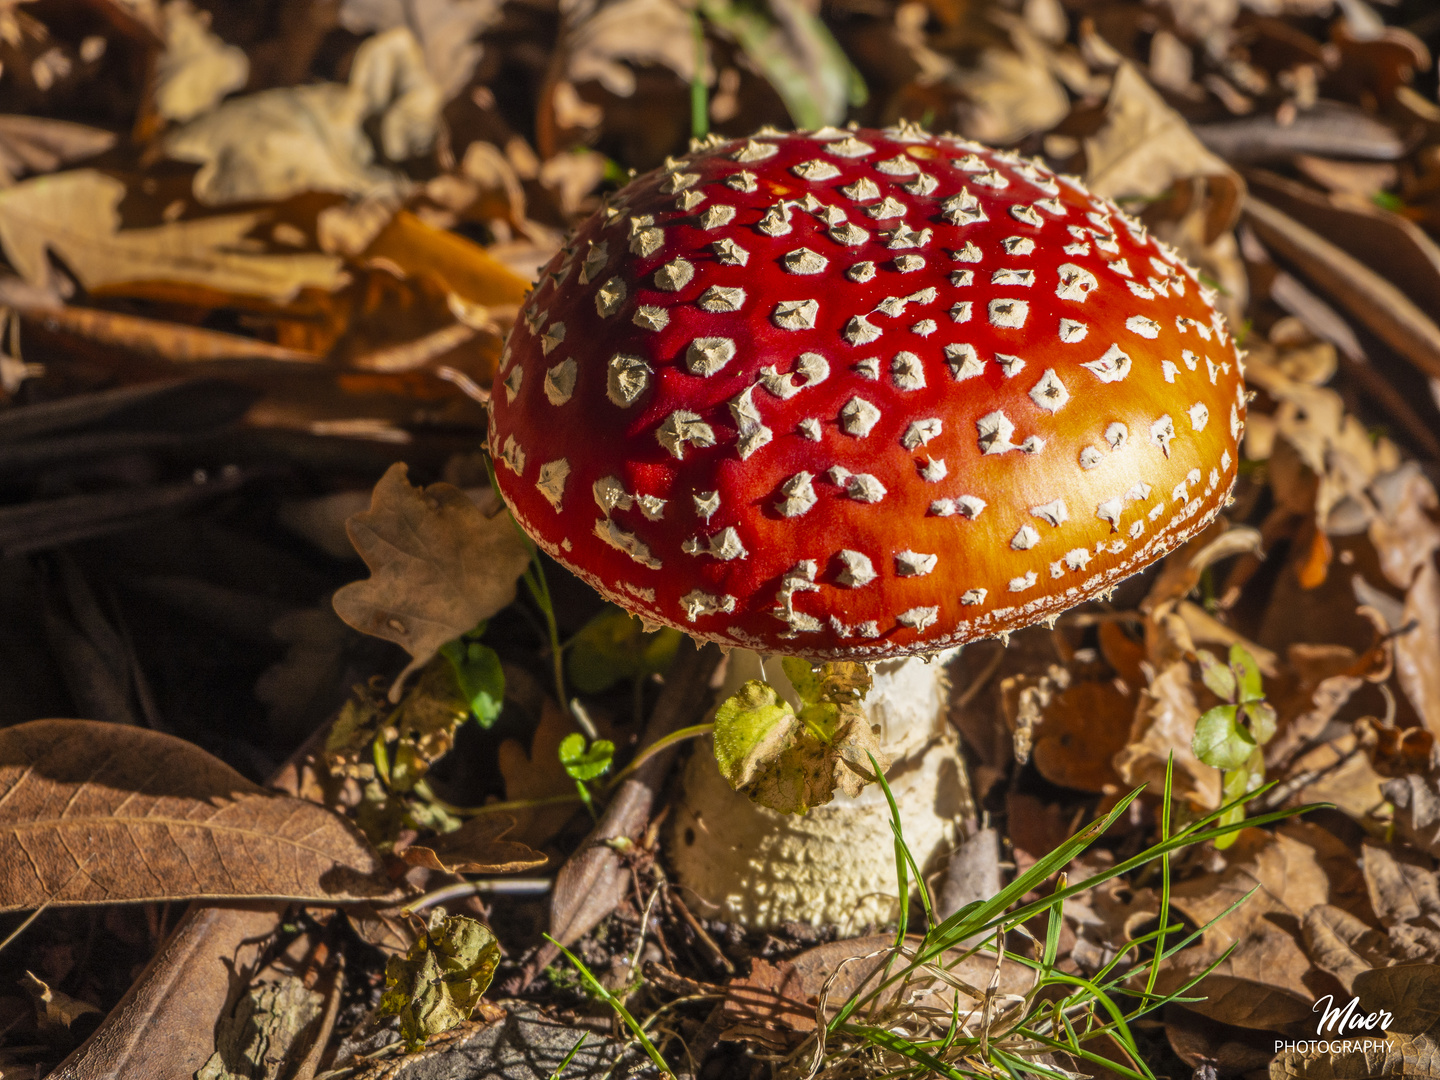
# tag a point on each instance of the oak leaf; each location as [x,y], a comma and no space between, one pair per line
[96,813]
[75,216]
[438,566]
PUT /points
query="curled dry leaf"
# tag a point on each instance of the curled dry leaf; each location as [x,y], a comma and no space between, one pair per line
[196,69]
[75,216]
[446,29]
[438,566]
[1144,146]
[1265,982]
[1411,1043]
[290,140]
[476,848]
[33,144]
[96,813]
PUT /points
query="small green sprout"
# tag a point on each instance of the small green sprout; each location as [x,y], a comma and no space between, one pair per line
[1229,737]
[586,763]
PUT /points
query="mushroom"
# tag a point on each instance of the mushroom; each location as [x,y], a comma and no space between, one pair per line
[859,395]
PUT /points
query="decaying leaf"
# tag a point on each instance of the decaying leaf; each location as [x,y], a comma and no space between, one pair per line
[1408,1045]
[438,984]
[446,29]
[34,144]
[438,566]
[57,1013]
[790,762]
[1417,808]
[476,848]
[290,140]
[1145,146]
[75,216]
[99,813]
[1265,982]
[196,69]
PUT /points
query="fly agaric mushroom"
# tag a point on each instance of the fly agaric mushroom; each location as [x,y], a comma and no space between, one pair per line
[859,395]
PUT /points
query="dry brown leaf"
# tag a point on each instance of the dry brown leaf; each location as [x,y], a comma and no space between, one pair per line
[605,42]
[33,144]
[1343,945]
[539,775]
[1263,983]
[1410,1048]
[75,216]
[290,140]
[196,69]
[448,31]
[95,813]
[438,566]
[1417,808]
[476,848]
[1164,725]
[1382,307]
[1406,895]
[1080,733]
[1009,93]
[1145,146]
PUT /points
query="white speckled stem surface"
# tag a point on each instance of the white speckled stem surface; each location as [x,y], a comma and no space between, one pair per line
[836,864]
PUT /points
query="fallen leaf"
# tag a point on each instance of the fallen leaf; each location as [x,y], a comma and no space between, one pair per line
[1372,300]
[1144,146]
[1417,808]
[75,216]
[438,566]
[57,1013]
[291,140]
[438,984]
[476,848]
[34,144]
[448,31]
[1265,981]
[1009,93]
[1343,945]
[538,774]
[1411,1047]
[94,813]
[196,69]
[1164,726]
[461,266]
[605,42]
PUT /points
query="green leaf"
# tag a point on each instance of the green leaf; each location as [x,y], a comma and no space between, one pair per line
[582,763]
[1219,740]
[481,678]
[614,646]
[1219,678]
[1247,673]
[790,763]
[438,983]
[1262,720]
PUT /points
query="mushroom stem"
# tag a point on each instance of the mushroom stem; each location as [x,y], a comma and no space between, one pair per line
[836,864]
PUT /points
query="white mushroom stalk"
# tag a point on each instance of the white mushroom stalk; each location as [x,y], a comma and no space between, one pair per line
[834,865]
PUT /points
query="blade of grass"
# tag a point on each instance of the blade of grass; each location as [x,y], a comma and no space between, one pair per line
[619,1006]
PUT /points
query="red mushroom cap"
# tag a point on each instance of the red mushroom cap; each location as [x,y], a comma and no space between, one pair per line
[847,394]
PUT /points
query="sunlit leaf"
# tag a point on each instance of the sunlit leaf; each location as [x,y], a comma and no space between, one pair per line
[586,763]
[1219,740]
[438,983]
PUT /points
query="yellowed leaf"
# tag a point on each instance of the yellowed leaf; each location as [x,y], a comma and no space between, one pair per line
[74,215]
